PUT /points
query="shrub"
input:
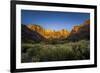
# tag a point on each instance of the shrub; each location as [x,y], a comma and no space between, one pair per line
[57,52]
[25,58]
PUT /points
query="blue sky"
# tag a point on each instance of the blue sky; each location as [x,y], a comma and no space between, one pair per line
[53,20]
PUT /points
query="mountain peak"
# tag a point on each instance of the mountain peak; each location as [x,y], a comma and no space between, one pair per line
[60,34]
[48,33]
[87,22]
[81,31]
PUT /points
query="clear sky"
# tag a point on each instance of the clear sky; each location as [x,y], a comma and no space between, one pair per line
[53,20]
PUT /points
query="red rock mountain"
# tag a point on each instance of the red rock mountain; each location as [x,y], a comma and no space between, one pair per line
[28,35]
[85,25]
[49,34]
[38,33]
[80,32]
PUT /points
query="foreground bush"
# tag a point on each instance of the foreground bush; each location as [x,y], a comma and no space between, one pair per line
[56,52]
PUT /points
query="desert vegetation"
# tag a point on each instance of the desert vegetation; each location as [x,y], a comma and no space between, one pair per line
[40,52]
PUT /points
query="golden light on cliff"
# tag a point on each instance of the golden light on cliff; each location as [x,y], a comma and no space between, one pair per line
[48,34]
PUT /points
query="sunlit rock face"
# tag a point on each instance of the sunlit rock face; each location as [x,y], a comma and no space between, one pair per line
[75,29]
[84,26]
[87,22]
[28,35]
[80,32]
[49,34]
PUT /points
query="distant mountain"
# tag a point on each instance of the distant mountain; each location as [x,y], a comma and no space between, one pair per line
[80,32]
[29,35]
[49,34]
[33,32]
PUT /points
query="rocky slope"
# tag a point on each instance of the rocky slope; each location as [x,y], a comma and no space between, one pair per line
[80,32]
[49,34]
[28,35]
[38,33]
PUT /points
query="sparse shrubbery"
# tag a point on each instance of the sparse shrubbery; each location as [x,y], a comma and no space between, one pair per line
[41,52]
